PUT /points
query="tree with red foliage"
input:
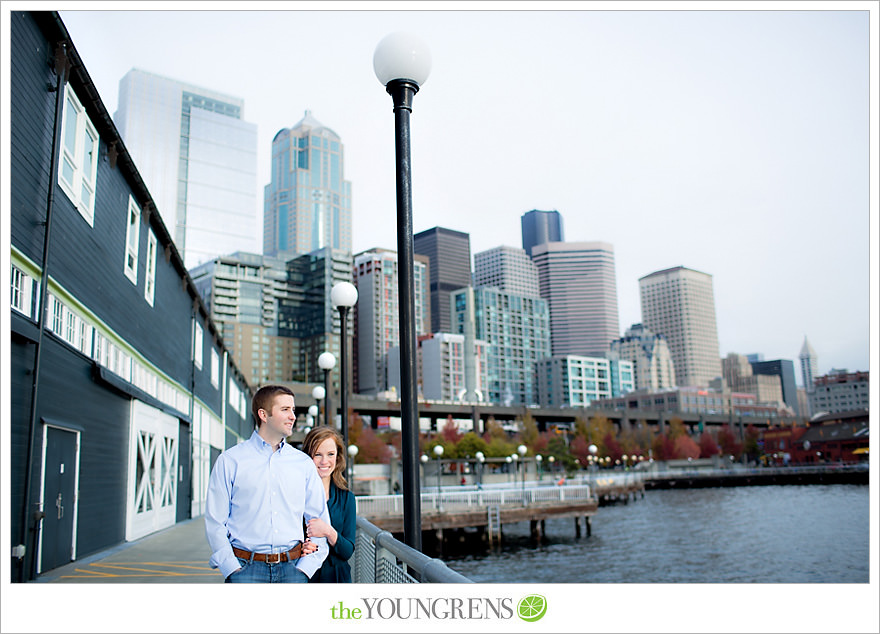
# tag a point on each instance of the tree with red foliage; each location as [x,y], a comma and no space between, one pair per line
[729,444]
[663,447]
[708,446]
[612,448]
[686,447]
[450,431]
[371,448]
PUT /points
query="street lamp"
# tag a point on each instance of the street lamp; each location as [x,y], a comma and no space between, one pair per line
[327,361]
[343,296]
[480,459]
[352,452]
[318,393]
[521,450]
[438,451]
[402,63]
[539,459]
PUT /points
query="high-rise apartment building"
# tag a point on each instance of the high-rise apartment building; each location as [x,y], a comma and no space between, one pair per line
[740,377]
[376,321]
[679,303]
[539,227]
[449,258]
[198,157]
[307,203]
[575,381]
[578,281]
[274,316]
[516,330]
[442,368]
[653,368]
[509,269]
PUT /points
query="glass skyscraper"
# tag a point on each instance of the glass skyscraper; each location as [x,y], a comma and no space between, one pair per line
[449,257]
[307,204]
[539,227]
[198,158]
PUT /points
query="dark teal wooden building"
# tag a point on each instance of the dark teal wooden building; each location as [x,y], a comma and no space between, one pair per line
[122,393]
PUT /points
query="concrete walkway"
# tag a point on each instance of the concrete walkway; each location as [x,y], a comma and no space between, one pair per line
[178,554]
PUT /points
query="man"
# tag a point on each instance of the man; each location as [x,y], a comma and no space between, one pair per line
[260,493]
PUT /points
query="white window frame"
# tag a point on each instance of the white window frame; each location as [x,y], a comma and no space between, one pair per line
[215,368]
[132,240]
[150,274]
[22,289]
[77,168]
[198,344]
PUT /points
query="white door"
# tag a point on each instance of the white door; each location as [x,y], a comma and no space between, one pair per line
[152,471]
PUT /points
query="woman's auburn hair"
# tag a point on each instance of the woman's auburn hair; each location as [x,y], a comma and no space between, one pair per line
[318,435]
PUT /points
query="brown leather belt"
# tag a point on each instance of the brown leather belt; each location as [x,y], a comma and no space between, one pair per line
[270,558]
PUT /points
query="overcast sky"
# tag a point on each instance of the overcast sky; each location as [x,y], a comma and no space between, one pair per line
[732,142]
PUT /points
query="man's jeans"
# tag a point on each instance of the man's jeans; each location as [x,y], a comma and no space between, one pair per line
[261,572]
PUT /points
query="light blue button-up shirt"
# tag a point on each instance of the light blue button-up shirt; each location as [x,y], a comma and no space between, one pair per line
[257,499]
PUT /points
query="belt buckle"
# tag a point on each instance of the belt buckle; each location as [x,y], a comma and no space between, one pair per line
[276,556]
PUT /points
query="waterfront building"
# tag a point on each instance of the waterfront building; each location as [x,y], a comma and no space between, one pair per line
[574,381]
[122,390]
[695,400]
[839,391]
[449,259]
[307,203]
[198,157]
[276,316]
[679,303]
[784,369]
[652,363]
[507,268]
[516,330]
[578,281]
[376,316]
[739,377]
[539,227]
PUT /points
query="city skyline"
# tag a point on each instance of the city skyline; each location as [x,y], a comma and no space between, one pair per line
[689,149]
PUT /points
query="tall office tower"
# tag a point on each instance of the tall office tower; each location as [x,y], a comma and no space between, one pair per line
[578,281]
[539,227]
[575,381]
[275,316]
[442,367]
[653,369]
[198,158]
[679,303]
[516,330]
[809,365]
[306,313]
[376,322]
[507,268]
[307,203]
[449,257]
[784,369]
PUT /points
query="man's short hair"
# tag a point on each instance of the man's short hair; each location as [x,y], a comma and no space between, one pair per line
[264,399]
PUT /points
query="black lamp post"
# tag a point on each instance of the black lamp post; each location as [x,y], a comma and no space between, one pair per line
[402,63]
[343,296]
[318,393]
[327,361]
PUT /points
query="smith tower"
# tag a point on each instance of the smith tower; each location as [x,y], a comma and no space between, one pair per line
[307,204]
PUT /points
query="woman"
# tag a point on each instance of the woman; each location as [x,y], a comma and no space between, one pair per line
[324,445]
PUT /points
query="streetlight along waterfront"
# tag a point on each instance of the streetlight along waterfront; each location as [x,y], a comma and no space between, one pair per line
[343,296]
[327,361]
[402,63]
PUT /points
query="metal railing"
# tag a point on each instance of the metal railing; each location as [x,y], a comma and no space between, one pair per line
[454,499]
[380,558]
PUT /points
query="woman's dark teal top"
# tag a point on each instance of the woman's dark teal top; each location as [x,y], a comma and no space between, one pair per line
[343,518]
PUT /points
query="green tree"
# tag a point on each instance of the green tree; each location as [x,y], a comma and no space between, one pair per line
[529,430]
[470,444]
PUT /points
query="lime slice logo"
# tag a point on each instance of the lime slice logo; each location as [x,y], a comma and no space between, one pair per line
[532,607]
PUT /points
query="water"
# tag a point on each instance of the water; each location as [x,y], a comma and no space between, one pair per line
[763,534]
